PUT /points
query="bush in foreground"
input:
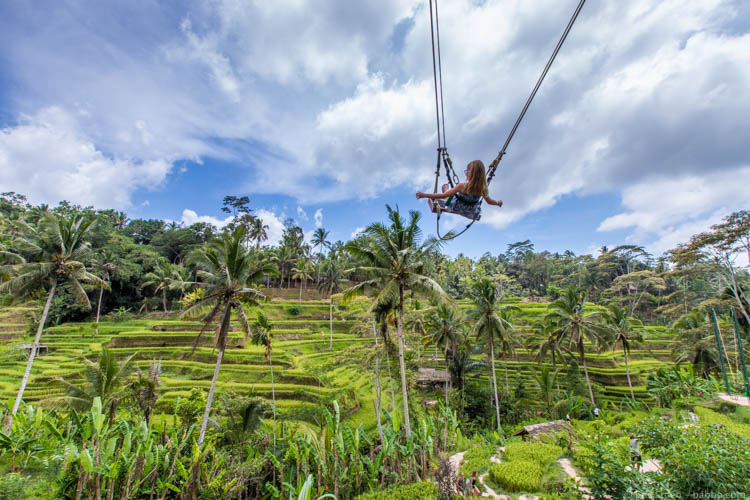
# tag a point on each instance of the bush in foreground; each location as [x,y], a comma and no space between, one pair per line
[414,491]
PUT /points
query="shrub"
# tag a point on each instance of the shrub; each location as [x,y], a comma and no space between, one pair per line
[520,475]
[293,310]
[711,417]
[541,453]
[12,486]
[414,491]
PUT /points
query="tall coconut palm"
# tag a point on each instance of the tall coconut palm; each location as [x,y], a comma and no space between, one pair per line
[576,324]
[320,238]
[262,336]
[392,257]
[258,231]
[49,254]
[443,327]
[302,273]
[492,323]
[330,283]
[622,325]
[104,265]
[226,270]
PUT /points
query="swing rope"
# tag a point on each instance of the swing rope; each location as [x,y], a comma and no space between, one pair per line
[442,152]
[496,161]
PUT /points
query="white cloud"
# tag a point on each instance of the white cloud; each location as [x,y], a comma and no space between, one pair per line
[327,101]
[49,158]
[357,231]
[275,226]
[190,217]
[301,213]
[665,211]
[318,217]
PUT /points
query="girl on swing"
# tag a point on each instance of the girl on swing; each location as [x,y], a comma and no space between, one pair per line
[464,198]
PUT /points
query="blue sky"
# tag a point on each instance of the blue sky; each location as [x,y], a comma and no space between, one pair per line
[323,111]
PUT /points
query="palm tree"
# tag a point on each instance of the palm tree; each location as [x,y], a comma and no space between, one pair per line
[105,264]
[302,273]
[104,379]
[443,325]
[226,270]
[492,324]
[160,279]
[622,325]
[392,258]
[576,324]
[53,253]
[320,238]
[330,283]
[545,381]
[262,336]
[258,231]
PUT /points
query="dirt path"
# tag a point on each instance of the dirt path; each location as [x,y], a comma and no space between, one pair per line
[571,472]
[738,400]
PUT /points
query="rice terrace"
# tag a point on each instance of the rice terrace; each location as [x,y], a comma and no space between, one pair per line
[233,265]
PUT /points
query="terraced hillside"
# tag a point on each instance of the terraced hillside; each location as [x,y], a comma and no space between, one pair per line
[306,372]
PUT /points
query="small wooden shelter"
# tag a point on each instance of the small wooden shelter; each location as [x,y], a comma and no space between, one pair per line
[432,377]
[535,430]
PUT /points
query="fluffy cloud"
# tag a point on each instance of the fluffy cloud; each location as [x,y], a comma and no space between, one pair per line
[318,217]
[48,158]
[667,210]
[190,217]
[275,226]
[326,101]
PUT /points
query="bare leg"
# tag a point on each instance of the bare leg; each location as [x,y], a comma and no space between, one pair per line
[431,203]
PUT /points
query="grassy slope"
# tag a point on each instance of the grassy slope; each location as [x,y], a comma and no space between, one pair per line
[305,371]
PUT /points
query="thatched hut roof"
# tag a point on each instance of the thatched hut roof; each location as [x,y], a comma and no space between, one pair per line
[432,376]
[542,428]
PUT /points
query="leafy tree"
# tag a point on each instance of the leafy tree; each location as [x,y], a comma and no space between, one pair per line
[226,269]
[392,257]
[695,342]
[492,323]
[54,252]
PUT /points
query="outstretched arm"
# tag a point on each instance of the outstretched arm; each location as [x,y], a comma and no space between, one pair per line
[490,201]
[440,196]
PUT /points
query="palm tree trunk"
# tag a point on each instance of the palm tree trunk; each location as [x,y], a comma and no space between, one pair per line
[219,358]
[32,355]
[586,371]
[330,324]
[98,309]
[494,381]
[377,385]
[401,364]
[273,399]
[164,298]
[627,372]
[99,304]
[300,291]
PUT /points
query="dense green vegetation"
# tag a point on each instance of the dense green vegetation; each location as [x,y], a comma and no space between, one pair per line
[191,362]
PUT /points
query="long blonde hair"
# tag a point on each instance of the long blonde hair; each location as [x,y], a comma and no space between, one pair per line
[476,181]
